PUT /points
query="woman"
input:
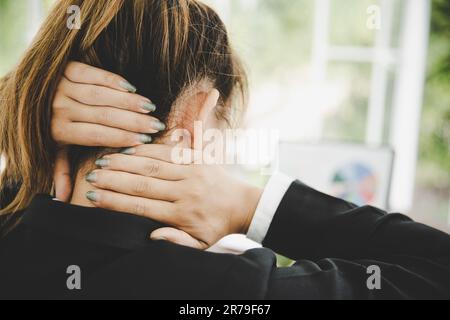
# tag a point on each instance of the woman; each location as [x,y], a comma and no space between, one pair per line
[177,53]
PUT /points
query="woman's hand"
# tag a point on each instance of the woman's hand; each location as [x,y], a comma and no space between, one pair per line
[93,107]
[202,202]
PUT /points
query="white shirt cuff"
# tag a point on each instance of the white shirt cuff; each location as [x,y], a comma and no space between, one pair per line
[272,196]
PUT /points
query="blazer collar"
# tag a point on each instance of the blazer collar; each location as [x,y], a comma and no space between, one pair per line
[89,224]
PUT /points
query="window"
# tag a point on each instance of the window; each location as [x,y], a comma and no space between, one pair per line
[321,70]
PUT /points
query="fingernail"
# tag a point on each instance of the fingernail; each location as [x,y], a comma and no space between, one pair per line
[128,151]
[148,106]
[145,138]
[92,196]
[91,177]
[103,162]
[158,238]
[128,86]
[158,125]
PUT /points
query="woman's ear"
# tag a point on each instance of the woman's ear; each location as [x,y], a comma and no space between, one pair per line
[194,107]
[200,108]
[209,105]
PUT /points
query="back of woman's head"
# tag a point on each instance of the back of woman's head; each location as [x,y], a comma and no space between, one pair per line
[163,47]
[160,46]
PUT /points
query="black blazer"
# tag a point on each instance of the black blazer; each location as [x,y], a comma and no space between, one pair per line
[333,241]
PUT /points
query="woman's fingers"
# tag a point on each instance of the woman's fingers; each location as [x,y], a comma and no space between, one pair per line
[146,167]
[103,96]
[161,211]
[83,73]
[177,237]
[112,117]
[176,155]
[135,185]
[95,135]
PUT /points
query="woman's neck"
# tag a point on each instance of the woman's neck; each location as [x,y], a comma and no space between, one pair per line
[80,189]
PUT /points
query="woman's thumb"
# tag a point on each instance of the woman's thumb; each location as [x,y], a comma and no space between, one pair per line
[177,237]
[61,176]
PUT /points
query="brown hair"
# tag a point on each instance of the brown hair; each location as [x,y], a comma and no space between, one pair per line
[161,46]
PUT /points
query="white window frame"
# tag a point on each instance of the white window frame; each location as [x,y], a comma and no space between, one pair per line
[36,15]
[409,64]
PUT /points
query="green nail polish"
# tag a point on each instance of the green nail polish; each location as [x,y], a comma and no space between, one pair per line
[91,196]
[148,106]
[102,162]
[128,151]
[145,138]
[159,126]
[128,86]
[91,177]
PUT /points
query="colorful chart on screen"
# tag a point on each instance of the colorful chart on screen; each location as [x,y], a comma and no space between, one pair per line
[355,182]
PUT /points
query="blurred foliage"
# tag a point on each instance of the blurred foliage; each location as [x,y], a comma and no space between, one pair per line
[345,31]
[13,39]
[262,40]
[435,130]
[440,28]
[15,17]
[348,122]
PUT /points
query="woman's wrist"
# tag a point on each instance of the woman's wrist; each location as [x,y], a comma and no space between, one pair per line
[250,197]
